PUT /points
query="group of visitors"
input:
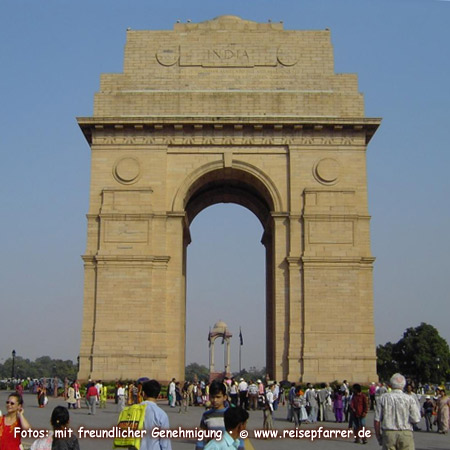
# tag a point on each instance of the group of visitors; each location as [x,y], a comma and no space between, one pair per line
[194,393]
[436,411]
[96,395]
[326,404]
[190,394]
[248,395]
[73,396]
[32,385]
[125,393]
[397,409]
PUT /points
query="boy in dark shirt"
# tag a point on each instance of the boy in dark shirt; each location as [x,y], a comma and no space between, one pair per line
[212,419]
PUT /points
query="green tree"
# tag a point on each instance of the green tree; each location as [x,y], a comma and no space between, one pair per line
[40,368]
[251,374]
[423,355]
[193,369]
[386,365]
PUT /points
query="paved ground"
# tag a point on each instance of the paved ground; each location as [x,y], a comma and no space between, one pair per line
[107,418]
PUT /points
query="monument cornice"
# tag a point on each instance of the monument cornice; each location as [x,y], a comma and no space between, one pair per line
[286,124]
[133,355]
[312,261]
[131,259]
[345,215]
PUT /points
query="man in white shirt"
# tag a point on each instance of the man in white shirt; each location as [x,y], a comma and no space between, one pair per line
[172,393]
[395,414]
[120,397]
[243,393]
[276,395]
[99,386]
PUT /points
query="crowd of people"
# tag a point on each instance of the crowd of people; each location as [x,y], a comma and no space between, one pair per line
[397,407]
[345,404]
[196,393]
[341,404]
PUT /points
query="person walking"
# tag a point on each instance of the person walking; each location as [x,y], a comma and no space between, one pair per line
[76,386]
[427,410]
[103,396]
[42,395]
[268,408]
[253,395]
[298,407]
[234,394]
[443,407]
[243,393]
[120,397]
[372,390]
[291,396]
[311,403]
[172,393]
[409,391]
[338,405]
[395,412]
[359,407]
[92,398]
[71,400]
[154,417]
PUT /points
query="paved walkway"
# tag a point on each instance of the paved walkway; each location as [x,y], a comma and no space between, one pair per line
[107,418]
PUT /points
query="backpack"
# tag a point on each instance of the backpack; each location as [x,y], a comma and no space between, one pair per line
[131,417]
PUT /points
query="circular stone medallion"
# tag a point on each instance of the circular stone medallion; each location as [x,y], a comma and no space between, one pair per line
[286,56]
[168,56]
[326,171]
[126,170]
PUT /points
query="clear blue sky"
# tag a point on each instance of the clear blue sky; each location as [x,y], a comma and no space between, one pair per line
[51,55]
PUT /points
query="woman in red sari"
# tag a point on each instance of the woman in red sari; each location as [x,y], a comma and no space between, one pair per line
[13,420]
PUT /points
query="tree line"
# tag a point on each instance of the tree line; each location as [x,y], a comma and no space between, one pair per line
[42,367]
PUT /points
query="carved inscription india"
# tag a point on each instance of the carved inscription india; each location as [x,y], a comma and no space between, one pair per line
[226,55]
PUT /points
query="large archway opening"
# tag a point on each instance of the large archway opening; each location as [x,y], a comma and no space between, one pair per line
[228,267]
[226,281]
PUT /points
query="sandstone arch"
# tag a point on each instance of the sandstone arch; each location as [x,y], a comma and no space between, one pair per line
[254,116]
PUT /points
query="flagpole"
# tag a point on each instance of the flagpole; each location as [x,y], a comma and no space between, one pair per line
[209,342]
[240,370]
[240,347]
[224,351]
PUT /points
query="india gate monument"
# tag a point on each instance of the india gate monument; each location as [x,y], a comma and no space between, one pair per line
[229,110]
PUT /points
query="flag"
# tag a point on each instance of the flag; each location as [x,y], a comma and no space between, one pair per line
[209,337]
[223,336]
[241,339]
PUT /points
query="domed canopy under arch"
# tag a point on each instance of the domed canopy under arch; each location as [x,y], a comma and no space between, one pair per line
[220,328]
